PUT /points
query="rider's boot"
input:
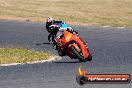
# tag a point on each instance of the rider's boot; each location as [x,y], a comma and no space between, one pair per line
[55,46]
[61,52]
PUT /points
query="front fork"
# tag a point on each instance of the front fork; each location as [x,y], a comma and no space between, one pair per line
[76,47]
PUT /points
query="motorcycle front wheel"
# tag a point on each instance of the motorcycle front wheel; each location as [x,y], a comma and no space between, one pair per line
[77,54]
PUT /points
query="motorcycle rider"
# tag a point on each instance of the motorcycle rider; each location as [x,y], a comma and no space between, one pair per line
[54,27]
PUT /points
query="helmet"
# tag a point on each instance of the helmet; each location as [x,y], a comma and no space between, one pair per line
[49,21]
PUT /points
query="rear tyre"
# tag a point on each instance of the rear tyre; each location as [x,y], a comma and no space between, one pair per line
[77,54]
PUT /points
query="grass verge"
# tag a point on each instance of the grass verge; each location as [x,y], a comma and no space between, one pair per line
[93,12]
[19,55]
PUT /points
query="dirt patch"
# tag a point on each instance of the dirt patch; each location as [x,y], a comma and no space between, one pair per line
[14,18]
[44,20]
[80,12]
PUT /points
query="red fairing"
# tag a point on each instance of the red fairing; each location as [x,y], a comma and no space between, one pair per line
[72,37]
[82,46]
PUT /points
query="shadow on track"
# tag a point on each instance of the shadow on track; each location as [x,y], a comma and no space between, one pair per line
[67,62]
[46,43]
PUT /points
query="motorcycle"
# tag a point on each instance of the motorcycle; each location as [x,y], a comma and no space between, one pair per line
[73,46]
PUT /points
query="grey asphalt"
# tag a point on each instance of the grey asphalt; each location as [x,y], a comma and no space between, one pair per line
[111,49]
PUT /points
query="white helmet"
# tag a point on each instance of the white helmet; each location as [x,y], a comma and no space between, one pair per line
[49,19]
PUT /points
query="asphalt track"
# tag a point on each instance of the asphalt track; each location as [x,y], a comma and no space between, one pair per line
[111,49]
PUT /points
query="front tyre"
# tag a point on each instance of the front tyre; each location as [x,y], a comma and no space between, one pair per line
[77,54]
[89,57]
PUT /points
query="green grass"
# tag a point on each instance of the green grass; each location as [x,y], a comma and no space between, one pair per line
[97,12]
[19,55]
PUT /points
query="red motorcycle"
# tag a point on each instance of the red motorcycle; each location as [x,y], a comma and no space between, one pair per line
[73,46]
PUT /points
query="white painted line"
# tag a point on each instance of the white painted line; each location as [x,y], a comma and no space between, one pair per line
[111,26]
[120,27]
[53,58]
[106,26]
